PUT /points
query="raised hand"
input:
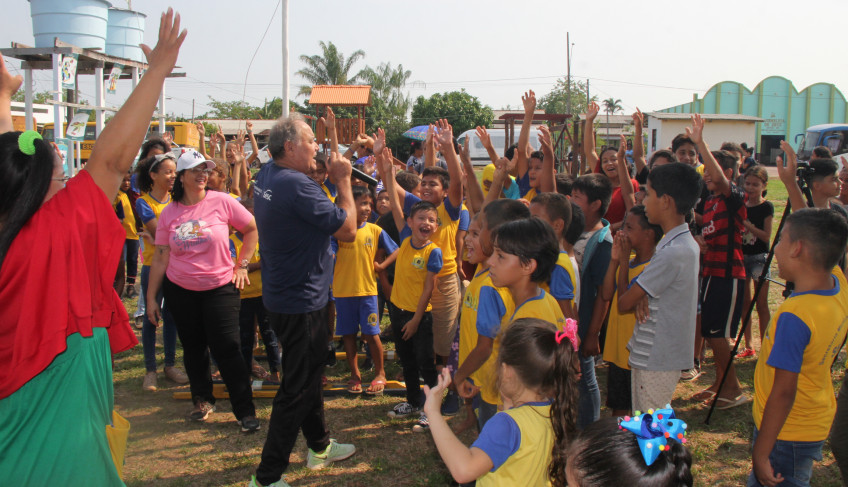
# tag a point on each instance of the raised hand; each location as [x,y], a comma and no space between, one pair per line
[545,137]
[463,151]
[696,131]
[444,137]
[529,101]
[615,253]
[622,147]
[592,111]
[249,126]
[369,165]
[787,172]
[638,118]
[484,136]
[8,84]
[201,130]
[434,394]
[240,134]
[164,55]
[379,140]
[339,169]
[329,120]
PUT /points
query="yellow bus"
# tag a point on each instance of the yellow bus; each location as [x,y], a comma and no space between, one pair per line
[183,134]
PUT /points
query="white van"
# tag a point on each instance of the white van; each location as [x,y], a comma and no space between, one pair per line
[478,154]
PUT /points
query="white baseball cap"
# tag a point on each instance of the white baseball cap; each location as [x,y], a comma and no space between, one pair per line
[192,158]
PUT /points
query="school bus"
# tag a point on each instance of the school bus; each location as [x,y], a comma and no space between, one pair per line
[184,134]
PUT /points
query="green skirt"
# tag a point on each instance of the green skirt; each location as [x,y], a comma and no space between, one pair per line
[53,429]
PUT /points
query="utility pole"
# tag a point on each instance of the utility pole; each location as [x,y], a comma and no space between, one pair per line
[568,79]
[192,109]
[285,58]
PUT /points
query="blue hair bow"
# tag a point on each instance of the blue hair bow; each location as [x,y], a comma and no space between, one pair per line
[653,429]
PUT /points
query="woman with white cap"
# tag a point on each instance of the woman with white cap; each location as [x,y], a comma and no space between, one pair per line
[193,265]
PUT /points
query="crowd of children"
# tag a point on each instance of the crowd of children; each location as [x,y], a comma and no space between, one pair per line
[503,296]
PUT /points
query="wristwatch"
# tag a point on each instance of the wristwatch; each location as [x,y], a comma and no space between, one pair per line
[243,264]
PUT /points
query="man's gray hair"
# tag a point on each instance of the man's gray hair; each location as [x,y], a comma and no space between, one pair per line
[285,130]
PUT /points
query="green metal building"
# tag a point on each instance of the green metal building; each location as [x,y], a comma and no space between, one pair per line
[785,111]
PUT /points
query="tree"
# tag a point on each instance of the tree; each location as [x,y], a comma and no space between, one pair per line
[556,101]
[231,110]
[462,110]
[389,104]
[37,97]
[611,106]
[329,68]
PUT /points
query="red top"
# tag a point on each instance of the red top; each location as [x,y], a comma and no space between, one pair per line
[56,280]
[722,231]
[616,210]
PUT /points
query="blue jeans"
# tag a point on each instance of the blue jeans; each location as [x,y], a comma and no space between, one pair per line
[485,413]
[793,460]
[589,405]
[148,330]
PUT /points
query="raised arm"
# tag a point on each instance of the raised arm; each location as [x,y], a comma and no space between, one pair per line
[329,121]
[788,176]
[523,152]
[501,174]
[475,195]
[486,140]
[387,170]
[430,147]
[445,141]
[711,167]
[9,86]
[117,146]
[339,171]
[255,154]
[638,146]
[201,146]
[547,179]
[627,191]
[591,157]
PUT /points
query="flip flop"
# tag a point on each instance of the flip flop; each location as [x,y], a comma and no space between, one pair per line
[705,395]
[724,403]
[354,386]
[376,383]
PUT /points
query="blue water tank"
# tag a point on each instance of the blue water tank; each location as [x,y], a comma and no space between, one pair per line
[124,33]
[78,22]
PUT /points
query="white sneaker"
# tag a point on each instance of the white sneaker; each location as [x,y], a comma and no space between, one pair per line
[279,483]
[334,452]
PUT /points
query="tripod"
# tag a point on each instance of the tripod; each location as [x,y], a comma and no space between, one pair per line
[746,321]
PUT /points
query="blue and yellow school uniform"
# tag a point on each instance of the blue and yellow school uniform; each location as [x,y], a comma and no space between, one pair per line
[445,236]
[483,306]
[620,325]
[355,282]
[149,208]
[544,307]
[519,441]
[804,336]
[329,189]
[563,279]
[123,208]
[411,268]
[254,289]
[530,195]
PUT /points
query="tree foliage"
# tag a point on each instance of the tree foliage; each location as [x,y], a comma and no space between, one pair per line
[329,68]
[37,97]
[463,111]
[556,101]
[390,103]
[612,105]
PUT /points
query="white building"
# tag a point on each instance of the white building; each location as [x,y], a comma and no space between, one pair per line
[42,113]
[718,128]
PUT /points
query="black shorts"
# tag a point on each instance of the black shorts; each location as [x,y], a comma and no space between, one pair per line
[618,388]
[721,306]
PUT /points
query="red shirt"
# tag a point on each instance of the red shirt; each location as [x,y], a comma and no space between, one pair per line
[56,280]
[616,210]
[722,231]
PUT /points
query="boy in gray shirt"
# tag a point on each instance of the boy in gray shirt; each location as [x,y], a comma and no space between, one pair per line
[665,298]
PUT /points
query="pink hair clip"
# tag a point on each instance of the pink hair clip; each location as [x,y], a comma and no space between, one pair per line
[569,331]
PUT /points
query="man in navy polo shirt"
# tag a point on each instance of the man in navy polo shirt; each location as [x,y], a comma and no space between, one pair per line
[296,221]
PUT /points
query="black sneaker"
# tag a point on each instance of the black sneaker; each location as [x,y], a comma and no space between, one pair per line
[331,355]
[249,424]
[201,411]
[450,406]
[422,425]
[402,410]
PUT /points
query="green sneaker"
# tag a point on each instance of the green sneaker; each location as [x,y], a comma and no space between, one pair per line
[334,452]
[279,483]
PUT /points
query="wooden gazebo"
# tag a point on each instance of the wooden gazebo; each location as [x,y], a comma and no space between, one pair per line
[358,96]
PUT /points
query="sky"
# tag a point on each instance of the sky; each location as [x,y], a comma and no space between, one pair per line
[652,54]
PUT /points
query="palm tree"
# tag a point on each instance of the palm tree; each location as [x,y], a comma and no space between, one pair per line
[611,106]
[329,68]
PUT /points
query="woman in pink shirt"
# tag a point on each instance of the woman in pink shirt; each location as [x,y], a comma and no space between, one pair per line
[193,265]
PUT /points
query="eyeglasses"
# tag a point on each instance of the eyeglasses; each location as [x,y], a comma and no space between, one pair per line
[64,179]
[200,170]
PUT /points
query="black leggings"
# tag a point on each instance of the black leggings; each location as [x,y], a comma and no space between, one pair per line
[208,321]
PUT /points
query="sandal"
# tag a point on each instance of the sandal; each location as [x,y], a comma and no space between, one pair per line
[377,387]
[724,403]
[259,372]
[354,386]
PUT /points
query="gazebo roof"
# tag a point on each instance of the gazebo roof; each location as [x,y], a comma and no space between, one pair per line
[341,95]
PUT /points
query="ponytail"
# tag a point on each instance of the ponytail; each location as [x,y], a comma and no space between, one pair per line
[547,362]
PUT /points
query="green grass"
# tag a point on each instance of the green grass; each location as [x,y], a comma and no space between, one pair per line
[165,450]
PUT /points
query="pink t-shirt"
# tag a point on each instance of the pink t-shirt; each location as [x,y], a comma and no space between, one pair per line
[199,238]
